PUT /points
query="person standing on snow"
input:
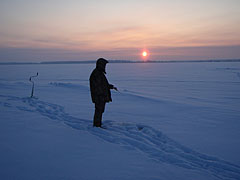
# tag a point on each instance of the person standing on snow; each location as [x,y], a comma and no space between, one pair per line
[100,90]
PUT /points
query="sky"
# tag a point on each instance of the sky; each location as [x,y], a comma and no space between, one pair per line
[56,30]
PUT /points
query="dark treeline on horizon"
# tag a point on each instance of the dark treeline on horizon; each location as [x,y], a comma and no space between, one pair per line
[120,61]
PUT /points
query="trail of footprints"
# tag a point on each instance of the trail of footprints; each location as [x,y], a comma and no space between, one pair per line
[144,139]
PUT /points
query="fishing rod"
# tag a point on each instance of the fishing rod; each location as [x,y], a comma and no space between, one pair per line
[30,79]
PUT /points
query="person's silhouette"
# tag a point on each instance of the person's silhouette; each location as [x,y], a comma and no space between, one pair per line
[100,90]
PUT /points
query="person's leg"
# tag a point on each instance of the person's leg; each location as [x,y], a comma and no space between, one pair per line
[97,118]
[99,109]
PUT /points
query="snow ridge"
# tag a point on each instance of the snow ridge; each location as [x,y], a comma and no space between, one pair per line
[145,139]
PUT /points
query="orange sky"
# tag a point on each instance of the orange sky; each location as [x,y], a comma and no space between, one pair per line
[178,29]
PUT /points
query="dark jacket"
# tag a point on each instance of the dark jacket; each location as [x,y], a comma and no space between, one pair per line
[99,86]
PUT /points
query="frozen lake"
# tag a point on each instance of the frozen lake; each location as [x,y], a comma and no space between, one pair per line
[212,84]
[195,104]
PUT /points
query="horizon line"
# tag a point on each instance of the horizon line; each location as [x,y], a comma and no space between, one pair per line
[120,61]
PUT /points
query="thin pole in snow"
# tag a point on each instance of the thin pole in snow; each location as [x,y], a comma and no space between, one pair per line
[30,79]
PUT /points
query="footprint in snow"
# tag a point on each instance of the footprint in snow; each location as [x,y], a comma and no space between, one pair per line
[144,139]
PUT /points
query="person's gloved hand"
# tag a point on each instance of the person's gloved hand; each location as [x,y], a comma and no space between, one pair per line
[115,88]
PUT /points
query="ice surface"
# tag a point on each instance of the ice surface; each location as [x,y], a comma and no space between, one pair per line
[170,121]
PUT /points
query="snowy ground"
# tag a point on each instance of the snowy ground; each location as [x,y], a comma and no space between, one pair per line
[169,121]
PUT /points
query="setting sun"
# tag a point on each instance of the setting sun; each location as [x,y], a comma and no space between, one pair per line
[144,53]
